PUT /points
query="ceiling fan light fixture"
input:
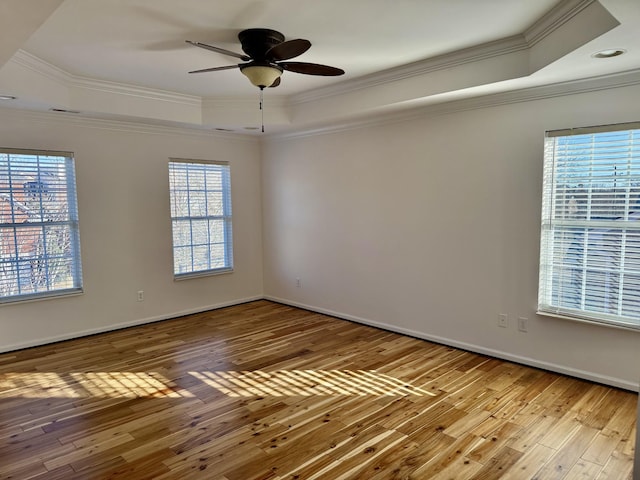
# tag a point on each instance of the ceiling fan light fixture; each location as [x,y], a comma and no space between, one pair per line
[261,76]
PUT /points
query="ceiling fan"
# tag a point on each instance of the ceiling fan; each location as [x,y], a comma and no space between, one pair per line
[266,53]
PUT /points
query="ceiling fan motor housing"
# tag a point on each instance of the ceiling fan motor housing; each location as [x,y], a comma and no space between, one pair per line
[257,41]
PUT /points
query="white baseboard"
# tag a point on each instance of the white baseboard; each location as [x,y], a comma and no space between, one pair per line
[532,362]
[119,326]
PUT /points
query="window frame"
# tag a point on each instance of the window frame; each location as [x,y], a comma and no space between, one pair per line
[224,169]
[71,222]
[597,254]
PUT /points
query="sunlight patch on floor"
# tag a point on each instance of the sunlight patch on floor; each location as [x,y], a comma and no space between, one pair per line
[88,384]
[280,383]
[283,383]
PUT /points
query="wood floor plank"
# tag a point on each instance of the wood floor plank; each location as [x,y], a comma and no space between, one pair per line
[497,465]
[63,473]
[347,458]
[264,391]
[530,463]
[565,458]
[618,466]
[452,459]
[583,470]
[494,444]
[529,437]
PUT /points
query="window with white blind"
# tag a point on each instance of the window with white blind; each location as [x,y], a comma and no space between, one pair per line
[590,243]
[39,236]
[201,217]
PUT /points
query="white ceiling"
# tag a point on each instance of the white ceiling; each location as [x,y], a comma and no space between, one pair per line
[127,59]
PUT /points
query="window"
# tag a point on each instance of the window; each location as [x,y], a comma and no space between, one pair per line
[590,245]
[200,217]
[39,238]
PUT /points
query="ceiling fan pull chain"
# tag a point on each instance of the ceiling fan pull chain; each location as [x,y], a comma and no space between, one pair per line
[261,108]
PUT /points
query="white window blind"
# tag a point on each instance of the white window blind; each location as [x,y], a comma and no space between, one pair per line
[39,237]
[200,195]
[590,240]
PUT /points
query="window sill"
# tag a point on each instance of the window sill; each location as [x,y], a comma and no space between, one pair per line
[207,273]
[599,323]
[41,297]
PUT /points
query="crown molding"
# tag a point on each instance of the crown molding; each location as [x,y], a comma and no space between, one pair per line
[605,82]
[543,27]
[496,48]
[541,92]
[554,19]
[35,64]
[593,84]
[78,120]
[573,87]
[135,91]
[71,81]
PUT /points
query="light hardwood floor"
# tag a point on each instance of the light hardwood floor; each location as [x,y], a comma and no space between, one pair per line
[267,391]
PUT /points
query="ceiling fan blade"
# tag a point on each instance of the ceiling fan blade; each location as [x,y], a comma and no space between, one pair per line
[219,50]
[311,68]
[288,49]
[275,83]
[215,69]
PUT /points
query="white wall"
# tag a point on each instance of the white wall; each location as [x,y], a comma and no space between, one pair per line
[125,229]
[431,227]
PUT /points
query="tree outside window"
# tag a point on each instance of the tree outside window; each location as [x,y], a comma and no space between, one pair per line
[39,239]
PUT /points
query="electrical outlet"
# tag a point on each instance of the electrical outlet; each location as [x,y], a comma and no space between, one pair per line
[522,324]
[503,320]
[298,283]
[140,295]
